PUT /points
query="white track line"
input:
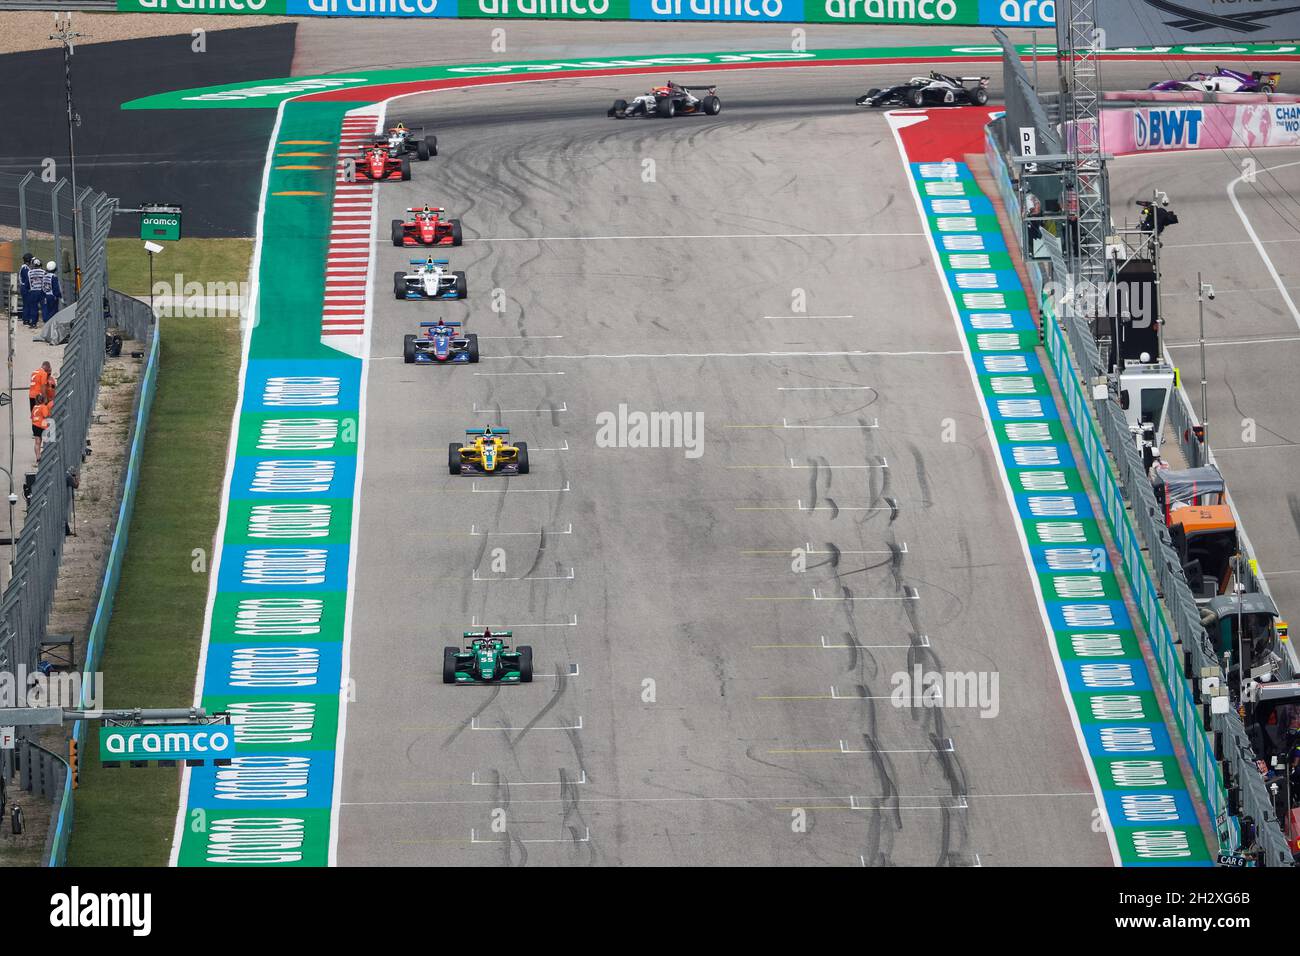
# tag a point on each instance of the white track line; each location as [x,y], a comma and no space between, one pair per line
[863,353]
[746,235]
[1259,246]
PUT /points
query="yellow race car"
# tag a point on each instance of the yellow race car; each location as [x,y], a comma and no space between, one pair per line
[486,451]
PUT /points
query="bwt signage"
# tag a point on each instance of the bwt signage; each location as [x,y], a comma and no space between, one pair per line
[1167,128]
[180,742]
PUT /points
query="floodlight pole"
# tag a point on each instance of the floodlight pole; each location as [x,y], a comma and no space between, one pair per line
[1202,290]
[65,36]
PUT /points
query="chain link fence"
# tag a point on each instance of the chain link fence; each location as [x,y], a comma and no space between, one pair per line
[48,229]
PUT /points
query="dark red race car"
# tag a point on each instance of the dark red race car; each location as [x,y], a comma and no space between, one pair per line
[426,227]
[377,164]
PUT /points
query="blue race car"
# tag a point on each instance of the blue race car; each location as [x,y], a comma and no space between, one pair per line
[429,280]
[440,344]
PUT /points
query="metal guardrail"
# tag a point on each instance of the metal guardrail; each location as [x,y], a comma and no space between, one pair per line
[45,774]
[131,316]
[1181,646]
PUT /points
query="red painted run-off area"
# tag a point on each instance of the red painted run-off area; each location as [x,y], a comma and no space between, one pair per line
[947,133]
[386,91]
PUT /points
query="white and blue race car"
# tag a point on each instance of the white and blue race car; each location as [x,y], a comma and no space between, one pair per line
[430,280]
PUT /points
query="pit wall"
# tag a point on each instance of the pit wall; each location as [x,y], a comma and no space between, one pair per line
[1187,718]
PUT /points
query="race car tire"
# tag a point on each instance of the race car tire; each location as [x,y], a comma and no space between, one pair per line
[525,664]
[421,149]
[915,97]
[453,458]
[408,349]
[712,105]
[523,457]
[399,285]
[618,109]
[462,287]
[980,96]
[399,233]
[471,349]
[449,664]
[456,238]
[406,169]
[432,142]
[1266,88]
[666,107]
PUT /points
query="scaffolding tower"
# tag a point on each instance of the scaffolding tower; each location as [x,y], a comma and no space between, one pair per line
[1078,61]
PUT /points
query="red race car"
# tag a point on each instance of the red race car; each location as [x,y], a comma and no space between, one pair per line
[426,228]
[377,164]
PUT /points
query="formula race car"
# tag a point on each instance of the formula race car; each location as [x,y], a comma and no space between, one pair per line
[401,141]
[487,659]
[377,165]
[487,453]
[426,227]
[668,101]
[937,89]
[429,280]
[1222,81]
[440,344]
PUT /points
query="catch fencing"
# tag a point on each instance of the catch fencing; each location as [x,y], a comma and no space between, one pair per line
[48,228]
[1024,108]
[1213,743]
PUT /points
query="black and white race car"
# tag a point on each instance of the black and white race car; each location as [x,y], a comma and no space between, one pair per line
[937,89]
[668,101]
[400,140]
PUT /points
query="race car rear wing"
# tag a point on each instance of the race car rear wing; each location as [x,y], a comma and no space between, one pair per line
[434,325]
[472,634]
[436,262]
[483,431]
[711,89]
[981,80]
[431,209]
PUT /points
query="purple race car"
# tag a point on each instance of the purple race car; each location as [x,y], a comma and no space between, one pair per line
[1222,81]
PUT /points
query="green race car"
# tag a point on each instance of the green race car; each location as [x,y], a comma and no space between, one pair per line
[487,659]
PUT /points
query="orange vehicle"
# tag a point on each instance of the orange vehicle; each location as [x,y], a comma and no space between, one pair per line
[1205,538]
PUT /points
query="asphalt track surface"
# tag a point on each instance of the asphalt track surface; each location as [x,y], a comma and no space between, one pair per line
[628,565]
[1252,331]
[210,165]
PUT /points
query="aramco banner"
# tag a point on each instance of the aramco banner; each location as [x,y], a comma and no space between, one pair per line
[990,13]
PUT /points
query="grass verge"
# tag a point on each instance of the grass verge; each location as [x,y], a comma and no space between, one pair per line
[197,260]
[125,816]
